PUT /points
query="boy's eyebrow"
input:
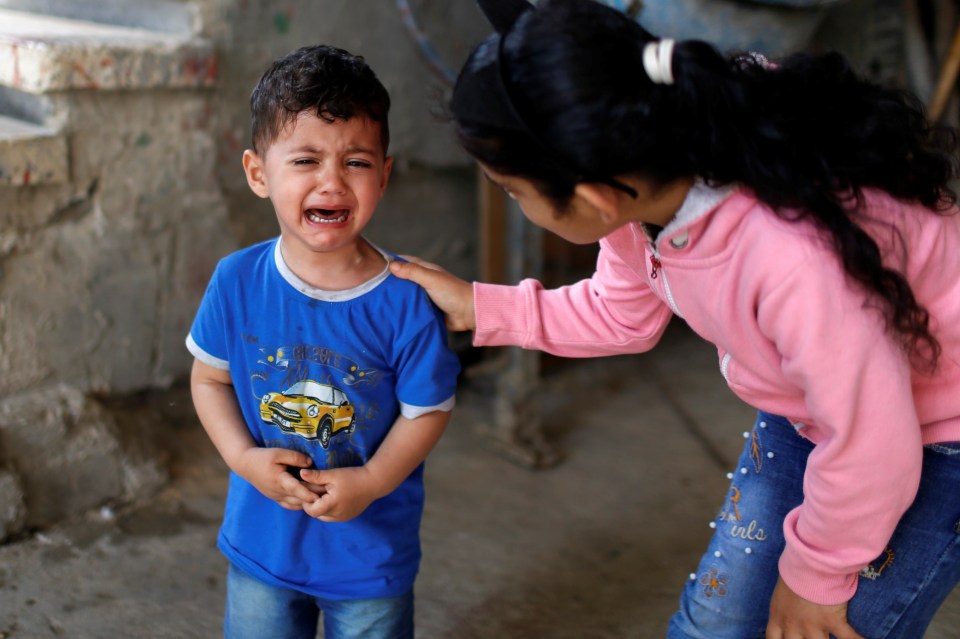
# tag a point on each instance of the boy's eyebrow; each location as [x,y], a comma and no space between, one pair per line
[360,149]
[317,151]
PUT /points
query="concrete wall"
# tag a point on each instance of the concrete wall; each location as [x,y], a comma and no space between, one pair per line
[101,272]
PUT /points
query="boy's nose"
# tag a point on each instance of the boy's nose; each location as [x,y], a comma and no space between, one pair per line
[330,181]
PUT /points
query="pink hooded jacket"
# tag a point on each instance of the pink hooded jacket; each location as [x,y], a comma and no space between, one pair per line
[794,337]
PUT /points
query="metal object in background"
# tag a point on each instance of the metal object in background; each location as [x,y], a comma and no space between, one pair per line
[771,27]
[630,7]
[511,249]
[932,34]
[516,427]
[427,50]
[947,80]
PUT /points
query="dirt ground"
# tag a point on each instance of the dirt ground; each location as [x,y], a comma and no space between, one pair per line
[597,547]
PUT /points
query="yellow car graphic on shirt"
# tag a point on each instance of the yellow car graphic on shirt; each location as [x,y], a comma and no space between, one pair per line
[309,409]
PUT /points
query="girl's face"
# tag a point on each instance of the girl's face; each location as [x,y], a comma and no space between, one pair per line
[579,223]
[595,210]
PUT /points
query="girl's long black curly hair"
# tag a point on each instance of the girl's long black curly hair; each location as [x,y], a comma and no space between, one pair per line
[806,135]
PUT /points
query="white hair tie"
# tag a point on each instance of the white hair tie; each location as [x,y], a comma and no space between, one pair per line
[658,60]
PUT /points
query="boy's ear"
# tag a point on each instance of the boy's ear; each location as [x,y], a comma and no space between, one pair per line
[602,197]
[387,168]
[253,168]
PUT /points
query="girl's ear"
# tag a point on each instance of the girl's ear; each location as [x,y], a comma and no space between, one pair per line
[253,168]
[602,197]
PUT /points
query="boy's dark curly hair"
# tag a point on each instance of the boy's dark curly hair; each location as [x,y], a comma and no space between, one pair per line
[331,82]
[806,136]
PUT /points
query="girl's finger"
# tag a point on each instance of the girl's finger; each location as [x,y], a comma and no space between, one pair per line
[423,263]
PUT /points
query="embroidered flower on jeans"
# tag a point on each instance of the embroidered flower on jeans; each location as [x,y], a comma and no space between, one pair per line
[713,583]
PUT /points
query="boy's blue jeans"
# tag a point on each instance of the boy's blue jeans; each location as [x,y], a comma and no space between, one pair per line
[256,610]
[898,593]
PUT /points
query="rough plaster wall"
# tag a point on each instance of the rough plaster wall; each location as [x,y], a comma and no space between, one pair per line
[100,280]
[68,458]
[12,509]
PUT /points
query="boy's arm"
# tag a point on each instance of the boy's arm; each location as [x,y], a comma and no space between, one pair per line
[350,490]
[265,468]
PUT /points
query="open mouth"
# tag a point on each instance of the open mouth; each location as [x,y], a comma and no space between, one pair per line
[328,216]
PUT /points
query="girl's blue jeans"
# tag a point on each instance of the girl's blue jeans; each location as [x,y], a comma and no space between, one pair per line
[256,610]
[728,597]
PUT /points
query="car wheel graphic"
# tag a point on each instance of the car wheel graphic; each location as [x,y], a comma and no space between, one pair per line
[325,430]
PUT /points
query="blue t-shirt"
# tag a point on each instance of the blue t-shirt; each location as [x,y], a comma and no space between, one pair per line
[325,373]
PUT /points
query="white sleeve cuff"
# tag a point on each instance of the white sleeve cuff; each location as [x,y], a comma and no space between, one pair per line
[206,357]
[412,412]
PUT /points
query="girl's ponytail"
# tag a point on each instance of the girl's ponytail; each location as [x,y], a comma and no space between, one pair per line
[813,137]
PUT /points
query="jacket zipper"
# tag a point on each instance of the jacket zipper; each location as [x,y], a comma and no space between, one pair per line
[656,271]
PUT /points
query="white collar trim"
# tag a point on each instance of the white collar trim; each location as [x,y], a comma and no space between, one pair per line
[700,200]
[331,296]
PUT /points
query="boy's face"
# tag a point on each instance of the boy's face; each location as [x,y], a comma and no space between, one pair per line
[324,180]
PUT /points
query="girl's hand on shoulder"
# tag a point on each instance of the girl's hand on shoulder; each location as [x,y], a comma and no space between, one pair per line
[266,470]
[344,493]
[793,617]
[453,295]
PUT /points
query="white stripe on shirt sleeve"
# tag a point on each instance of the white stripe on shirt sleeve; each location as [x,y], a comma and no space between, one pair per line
[206,357]
[412,412]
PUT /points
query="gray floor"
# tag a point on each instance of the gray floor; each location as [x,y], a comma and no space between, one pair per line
[595,548]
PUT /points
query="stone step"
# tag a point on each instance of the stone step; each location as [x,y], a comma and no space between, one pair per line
[169,16]
[44,53]
[31,154]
